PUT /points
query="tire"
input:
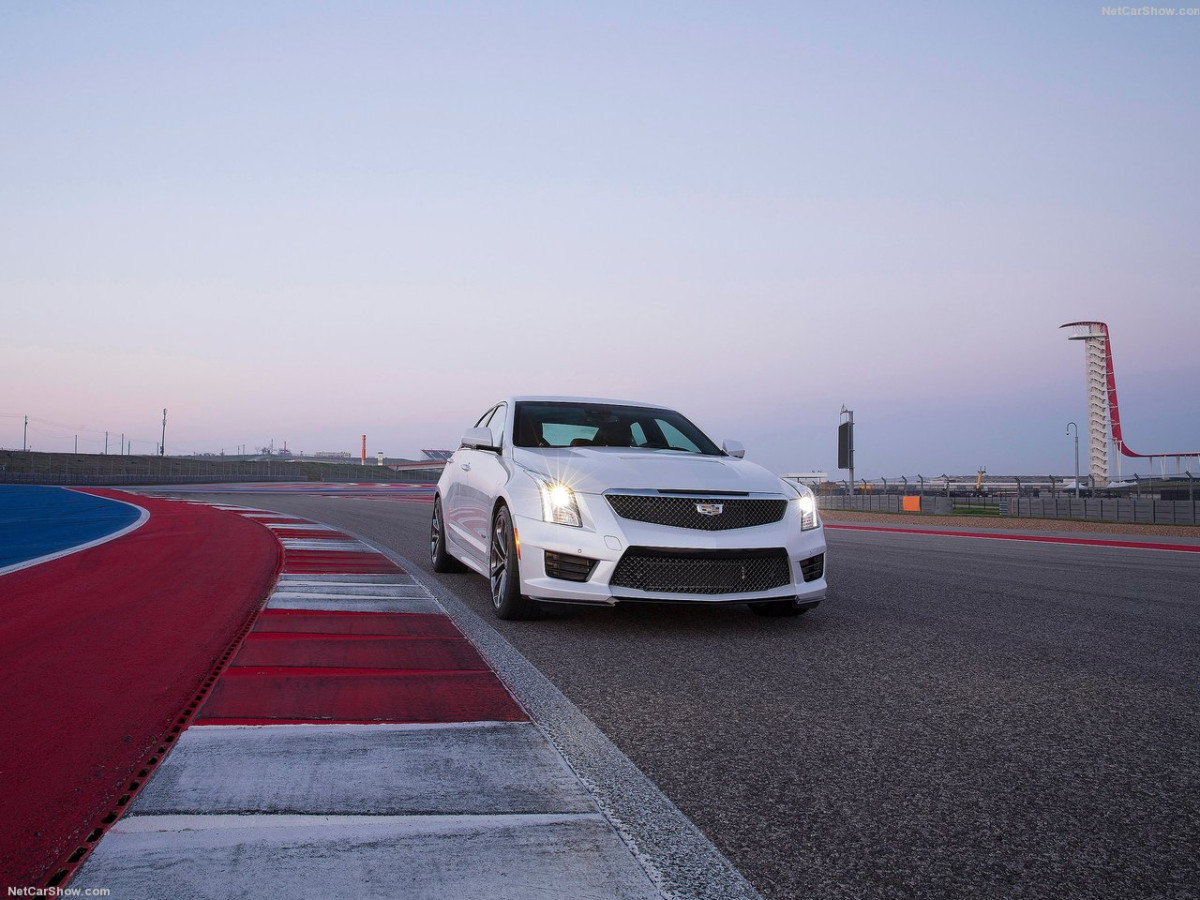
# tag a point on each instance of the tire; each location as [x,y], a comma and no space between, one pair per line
[504,572]
[778,609]
[442,561]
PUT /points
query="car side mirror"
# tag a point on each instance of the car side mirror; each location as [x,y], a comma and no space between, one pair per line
[734,449]
[478,439]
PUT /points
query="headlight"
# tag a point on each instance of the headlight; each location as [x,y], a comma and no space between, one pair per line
[558,501]
[808,508]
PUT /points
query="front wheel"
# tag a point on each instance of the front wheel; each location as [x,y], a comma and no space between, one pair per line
[504,571]
[441,560]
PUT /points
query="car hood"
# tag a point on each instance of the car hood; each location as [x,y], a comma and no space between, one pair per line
[591,470]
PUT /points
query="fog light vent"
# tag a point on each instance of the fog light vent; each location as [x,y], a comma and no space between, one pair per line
[813,567]
[568,567]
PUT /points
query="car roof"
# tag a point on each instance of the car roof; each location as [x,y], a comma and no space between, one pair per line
[546,398]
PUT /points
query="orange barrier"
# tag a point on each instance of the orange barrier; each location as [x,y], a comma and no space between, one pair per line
[911,504]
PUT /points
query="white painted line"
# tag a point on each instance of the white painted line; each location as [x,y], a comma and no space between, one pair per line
[352,590]
[478,769]
[365,604]
[273,856]
[342,578]
[417,824]
[337,546]
[400,594]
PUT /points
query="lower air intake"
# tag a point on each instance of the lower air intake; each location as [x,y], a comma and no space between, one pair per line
[702,571]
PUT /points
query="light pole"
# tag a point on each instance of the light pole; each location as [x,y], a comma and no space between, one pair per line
[1071,425]
[162,448]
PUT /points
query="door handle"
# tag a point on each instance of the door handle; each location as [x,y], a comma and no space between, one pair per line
[466,467]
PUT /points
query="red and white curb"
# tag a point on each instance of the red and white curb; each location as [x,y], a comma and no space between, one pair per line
[358,744]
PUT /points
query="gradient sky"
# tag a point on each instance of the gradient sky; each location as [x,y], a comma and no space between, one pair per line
[304,221]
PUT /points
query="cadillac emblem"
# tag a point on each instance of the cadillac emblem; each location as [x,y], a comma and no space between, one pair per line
[710,509]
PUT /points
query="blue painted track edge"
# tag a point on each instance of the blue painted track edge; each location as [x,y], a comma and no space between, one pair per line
[142,519]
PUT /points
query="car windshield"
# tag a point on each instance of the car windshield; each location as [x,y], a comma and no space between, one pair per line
[546,423]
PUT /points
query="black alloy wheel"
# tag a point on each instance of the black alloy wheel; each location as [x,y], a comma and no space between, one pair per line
[442,561]
[504,571]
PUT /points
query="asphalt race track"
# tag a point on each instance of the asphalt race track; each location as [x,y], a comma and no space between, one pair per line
[962,718]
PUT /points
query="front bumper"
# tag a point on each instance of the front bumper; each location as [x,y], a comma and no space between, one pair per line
[596,550]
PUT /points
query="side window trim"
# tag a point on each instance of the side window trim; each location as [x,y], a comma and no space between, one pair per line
[482,421]
[501,411]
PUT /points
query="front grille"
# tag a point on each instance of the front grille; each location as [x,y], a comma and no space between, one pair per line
[813,567]
[568,567]
[725,513]
[702,571]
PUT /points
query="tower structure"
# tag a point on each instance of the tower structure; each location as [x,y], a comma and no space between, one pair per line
[1104,412]
[1098,369]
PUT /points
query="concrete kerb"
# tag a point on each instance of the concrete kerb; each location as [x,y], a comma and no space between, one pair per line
[676,855]
[420,810]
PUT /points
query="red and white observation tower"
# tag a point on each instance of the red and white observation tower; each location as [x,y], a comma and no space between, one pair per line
[1104,412]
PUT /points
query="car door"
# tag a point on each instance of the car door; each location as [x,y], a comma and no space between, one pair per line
[488,476]
[478,471]
[459,507]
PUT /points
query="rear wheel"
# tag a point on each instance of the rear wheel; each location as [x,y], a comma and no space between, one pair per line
[504,571]
[442,561]
[780,608]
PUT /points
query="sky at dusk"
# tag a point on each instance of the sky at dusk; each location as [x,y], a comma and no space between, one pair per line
[306,221]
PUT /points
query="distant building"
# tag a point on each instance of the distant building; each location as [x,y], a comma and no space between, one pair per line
[433,463]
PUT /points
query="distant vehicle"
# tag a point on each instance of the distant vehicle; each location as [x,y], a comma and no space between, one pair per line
[571,500]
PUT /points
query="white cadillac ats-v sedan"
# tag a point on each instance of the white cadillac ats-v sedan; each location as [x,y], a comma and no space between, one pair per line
[568,500]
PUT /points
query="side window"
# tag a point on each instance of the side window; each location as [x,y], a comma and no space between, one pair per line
[639,436]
